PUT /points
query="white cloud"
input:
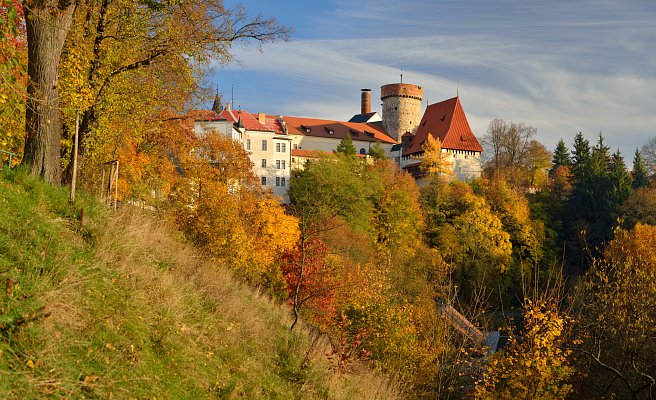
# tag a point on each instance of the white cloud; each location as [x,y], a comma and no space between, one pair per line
[590,71]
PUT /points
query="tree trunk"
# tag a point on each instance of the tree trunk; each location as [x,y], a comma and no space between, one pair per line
[47,24]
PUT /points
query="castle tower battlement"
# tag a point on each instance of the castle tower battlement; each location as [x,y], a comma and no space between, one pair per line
[401,108]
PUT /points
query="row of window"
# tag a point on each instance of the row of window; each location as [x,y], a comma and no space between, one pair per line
[280,164]
[280,147]
[280,181]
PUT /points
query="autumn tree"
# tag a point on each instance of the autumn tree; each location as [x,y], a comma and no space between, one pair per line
[640,207]
[157,47]
[311,282]
[377,151]
[396,221]
[47,24]
[535,366]
[513,153]
[13,54]
[618,316]
[327,194]
[219,204]
[434,162]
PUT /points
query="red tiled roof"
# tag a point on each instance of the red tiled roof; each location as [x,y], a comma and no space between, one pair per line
[249,122]
[445,120]
[273,124]
[322,128]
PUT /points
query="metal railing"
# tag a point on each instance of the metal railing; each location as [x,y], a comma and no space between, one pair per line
[11,157]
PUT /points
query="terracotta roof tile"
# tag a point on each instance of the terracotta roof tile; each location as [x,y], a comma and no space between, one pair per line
[322,128]
[249,122]
[447,121]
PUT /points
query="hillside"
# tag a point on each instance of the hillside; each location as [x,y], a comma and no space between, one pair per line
[118,307]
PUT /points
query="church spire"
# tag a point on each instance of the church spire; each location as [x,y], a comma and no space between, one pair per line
[217,107]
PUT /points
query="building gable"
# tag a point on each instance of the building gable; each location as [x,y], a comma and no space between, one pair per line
[446,121]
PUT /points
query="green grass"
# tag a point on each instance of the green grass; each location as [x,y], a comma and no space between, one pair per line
[119,307]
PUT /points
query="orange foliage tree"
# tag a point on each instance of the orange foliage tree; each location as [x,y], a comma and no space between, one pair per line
[311,282]
[13,76]
[221,207]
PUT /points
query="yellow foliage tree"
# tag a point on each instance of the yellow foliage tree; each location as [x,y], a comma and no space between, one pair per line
[618,323]
[535,366]
[435,162]
[222,208]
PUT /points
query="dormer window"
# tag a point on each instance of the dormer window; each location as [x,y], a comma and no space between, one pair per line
[329,130]
[353,132]
[306,129]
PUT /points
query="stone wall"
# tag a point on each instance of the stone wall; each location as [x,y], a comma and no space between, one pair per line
[401,108]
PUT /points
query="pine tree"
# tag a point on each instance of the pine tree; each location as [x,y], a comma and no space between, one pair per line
[561,157]
[581,176]
[619,181]
[640,177]
[346,146]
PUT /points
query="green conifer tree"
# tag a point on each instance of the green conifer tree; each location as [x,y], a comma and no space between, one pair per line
[346,146]
[619,181]
[640,176]
[561,157]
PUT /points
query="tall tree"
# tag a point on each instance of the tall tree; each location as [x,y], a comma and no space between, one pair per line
[561,157]
[639,173]
[509,146]
[154,46]
[620,185]
[47,23]
[618,315]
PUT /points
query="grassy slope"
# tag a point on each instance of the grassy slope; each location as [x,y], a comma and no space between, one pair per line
[121,309]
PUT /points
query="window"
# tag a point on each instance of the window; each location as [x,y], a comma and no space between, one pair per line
[277,181]
[284,147]
[248,144]
[277,164]
[363,151]
[295,146]
[263,180]
[278,147]
[282,164]
[282,181]
[264,163]
[264,145]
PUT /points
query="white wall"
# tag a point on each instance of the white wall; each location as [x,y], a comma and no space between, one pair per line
[328,145]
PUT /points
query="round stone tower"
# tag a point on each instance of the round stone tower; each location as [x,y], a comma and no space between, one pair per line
[401,108]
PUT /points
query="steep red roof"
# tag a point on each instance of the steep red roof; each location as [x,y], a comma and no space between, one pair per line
[446,121]
[337,129]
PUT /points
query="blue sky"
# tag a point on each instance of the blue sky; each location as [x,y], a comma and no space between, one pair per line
[561,66]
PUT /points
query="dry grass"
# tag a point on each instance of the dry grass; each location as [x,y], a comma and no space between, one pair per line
[134,313]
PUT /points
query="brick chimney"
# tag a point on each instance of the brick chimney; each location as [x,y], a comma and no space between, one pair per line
[365,104]
[261,117]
